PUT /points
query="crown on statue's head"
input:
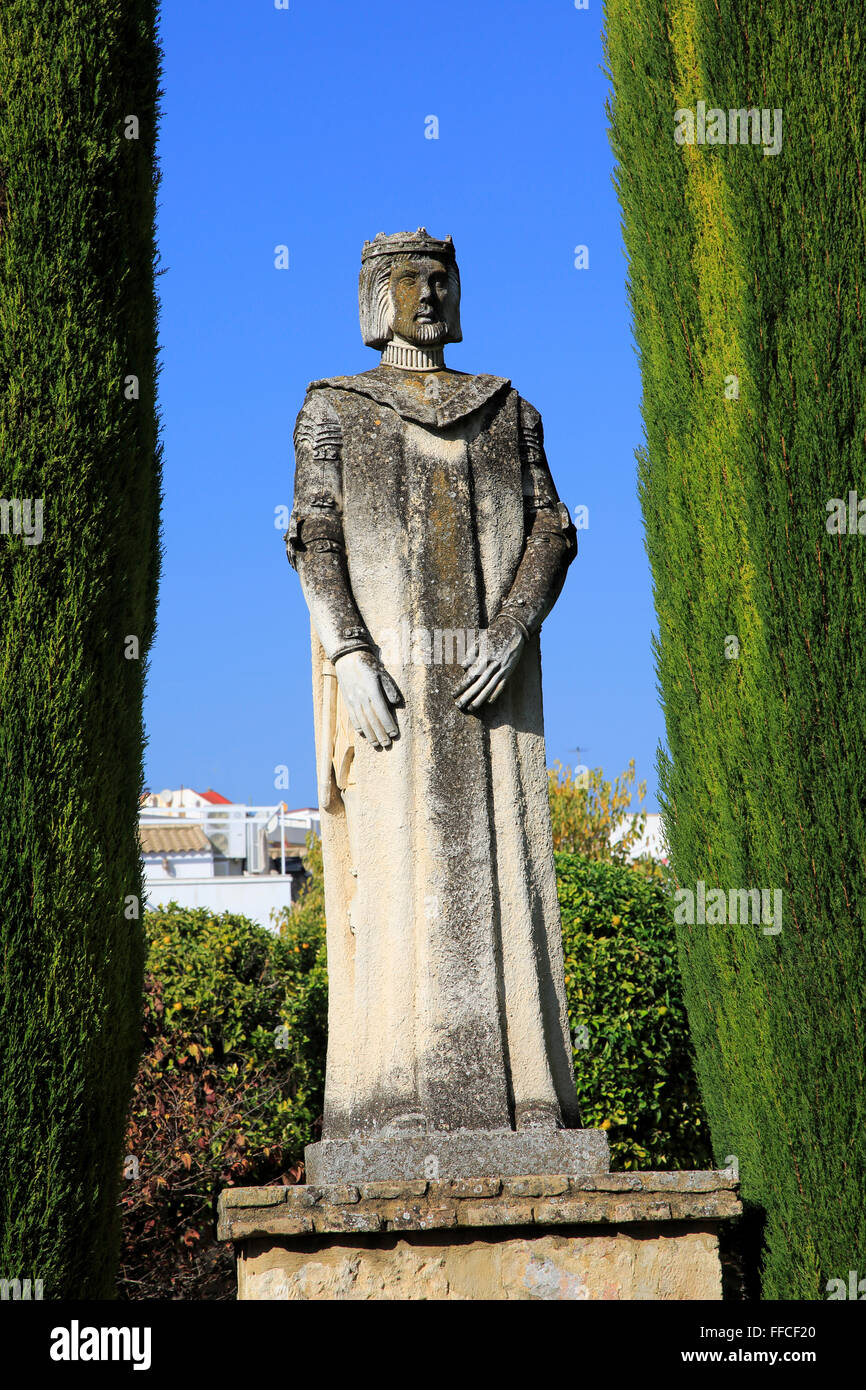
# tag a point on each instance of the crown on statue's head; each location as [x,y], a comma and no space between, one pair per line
[418,243]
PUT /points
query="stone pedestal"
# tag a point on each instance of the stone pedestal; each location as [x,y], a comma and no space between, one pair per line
[603,1235]
[501,1153]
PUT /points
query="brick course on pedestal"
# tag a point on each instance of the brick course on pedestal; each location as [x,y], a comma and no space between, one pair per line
[608,1235]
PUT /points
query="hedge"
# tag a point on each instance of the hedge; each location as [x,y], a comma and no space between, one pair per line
[744,278]
[632,1055]
[80,474]
[229,1090]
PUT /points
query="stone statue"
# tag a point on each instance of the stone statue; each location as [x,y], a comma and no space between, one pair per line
[430,545]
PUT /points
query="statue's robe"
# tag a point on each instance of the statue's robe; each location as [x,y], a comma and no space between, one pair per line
[447,1000]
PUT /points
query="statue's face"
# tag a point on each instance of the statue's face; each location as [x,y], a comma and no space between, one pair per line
[424,301]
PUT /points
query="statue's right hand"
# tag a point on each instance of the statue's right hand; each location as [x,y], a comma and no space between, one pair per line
[368,693]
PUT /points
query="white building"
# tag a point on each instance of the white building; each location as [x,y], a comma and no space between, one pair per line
[652,842]
[200,850]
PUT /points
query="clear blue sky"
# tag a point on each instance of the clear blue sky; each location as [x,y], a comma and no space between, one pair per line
[306,128]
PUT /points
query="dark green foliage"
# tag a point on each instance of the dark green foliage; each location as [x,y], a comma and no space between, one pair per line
[302,930]
[77,317]
[634,1075]
[218,1102]
[229,1088]
[747,264]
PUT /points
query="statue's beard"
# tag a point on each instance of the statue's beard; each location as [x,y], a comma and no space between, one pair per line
[425,334]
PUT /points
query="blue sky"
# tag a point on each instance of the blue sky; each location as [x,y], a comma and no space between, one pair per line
[306,128]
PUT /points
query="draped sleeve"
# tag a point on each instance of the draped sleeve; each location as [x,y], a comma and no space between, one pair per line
[551,541]
[317,513]
[314,541]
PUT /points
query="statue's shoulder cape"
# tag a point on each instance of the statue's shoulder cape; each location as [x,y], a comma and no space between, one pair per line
[383,385]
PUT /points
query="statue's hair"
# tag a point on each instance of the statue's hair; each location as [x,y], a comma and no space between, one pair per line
[374,298]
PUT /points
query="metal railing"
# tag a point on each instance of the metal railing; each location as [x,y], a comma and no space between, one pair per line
[236,831]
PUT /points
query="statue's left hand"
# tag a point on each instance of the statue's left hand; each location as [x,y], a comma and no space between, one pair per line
[489,664]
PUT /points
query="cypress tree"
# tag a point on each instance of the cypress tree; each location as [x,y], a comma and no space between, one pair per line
[79,449]
[744,282]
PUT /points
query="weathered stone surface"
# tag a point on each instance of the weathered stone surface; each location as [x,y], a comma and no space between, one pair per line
[530,1236]
[718,1205]
[471,1187]
[249,1223]
[376,1191]
[339,1195]
[459,1154]
[310,1194]
[337,1220]
[530,1199]
[424,505]
[542,1266]
[571,1211]
[540,1186]
[508,1211]
[254,1196]
[401,1216]
[609,1182]
[708,1180]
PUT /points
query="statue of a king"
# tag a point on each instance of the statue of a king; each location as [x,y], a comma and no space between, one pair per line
[430,544]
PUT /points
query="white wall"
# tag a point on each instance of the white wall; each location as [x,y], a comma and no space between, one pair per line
[652,841]
[252,897]
[188,865]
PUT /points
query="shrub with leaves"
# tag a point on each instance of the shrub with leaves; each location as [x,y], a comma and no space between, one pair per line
[632,1054]
[229,1089]
[585,811]
[302,932]
[231,1085]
